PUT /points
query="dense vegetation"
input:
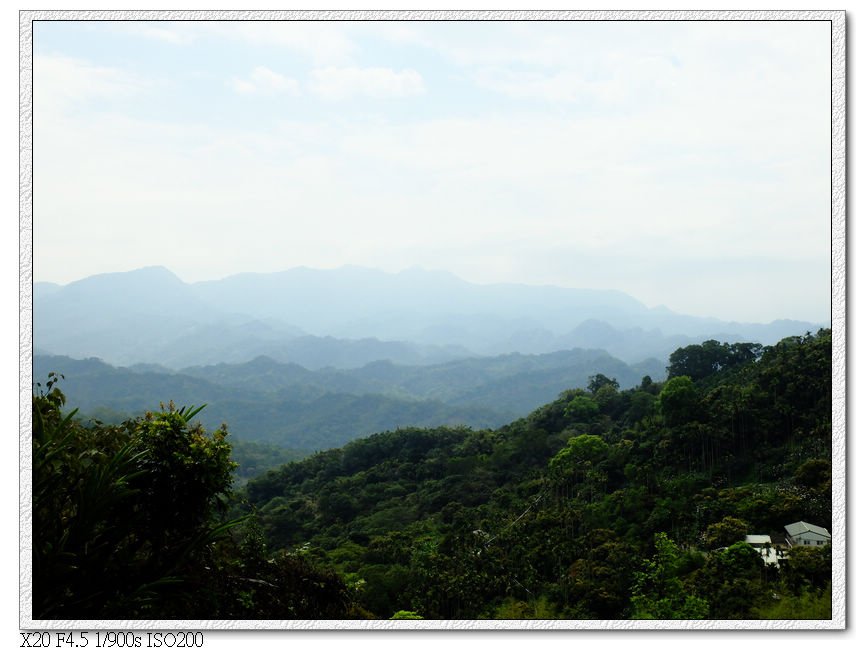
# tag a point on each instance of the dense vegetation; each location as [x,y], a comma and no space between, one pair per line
[605,503]
[130,522]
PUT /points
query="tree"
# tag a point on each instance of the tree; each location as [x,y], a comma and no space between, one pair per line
[578,456]
[678,400]
[123,516]
[129,522]
[726,532]
[658,592]
[703,360]
[814,473]
[596,382]
[697,361]
[610,401]
[808,566]
[730,582]
[602,579]
[740,353]
[641,406]
[582,408]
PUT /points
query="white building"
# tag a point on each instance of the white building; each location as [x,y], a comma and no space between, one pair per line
[757,541]
[763,545]
[805,534]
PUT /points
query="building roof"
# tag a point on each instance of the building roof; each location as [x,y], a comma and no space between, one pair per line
[758,539]
[803,527]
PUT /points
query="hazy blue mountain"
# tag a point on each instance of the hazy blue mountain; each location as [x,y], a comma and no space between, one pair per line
[425,306]
[629,344]
[150,367]
[41,289]
[150,316]
[351,316]
[123,317]
[438,307]
[209,344]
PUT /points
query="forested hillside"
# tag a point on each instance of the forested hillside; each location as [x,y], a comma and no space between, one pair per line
[302,409]
[606,503]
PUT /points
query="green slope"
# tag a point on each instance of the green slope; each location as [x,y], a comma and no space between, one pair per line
[608,504]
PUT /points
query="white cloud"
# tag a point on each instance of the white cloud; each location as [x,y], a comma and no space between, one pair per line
[524,44]
[159,33]
[342,83]
[263,80]
[563,86]
[61,82]
[322,42]
[603,83]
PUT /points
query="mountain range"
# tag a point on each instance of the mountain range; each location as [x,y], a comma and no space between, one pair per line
[351,316]
[284,403]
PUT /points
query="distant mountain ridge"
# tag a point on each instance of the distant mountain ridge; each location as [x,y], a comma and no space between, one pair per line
[351,316]
[487,382]
[265,400]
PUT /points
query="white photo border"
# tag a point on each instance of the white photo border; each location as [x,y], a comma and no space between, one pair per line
[837,20]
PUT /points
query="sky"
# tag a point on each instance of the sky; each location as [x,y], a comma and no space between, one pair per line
[685,163]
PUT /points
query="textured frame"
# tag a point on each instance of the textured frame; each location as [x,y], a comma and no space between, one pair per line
[838,321]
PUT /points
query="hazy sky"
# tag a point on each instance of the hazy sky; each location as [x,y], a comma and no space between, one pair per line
[686,163]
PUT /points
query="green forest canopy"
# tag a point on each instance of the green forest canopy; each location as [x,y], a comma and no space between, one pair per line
[605,503]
